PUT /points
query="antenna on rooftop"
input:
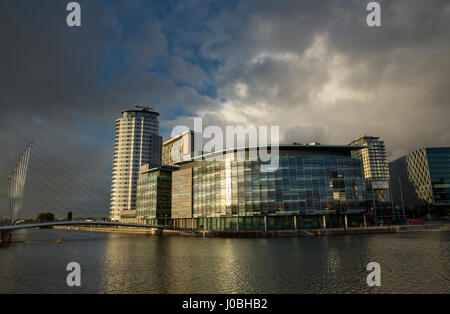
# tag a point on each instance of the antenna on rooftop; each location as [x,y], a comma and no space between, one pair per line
[145,108]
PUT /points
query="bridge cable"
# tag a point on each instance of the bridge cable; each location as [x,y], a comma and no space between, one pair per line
[45,171]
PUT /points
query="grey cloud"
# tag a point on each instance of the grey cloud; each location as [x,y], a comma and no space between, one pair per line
[56,89]
[390,81]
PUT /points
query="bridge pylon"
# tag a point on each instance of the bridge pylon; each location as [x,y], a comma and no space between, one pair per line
[16,181]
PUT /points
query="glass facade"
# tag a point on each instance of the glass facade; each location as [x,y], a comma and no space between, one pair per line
[423,179]
[314,185]
[303,184]
[182,193]
[439,165]
[153,202]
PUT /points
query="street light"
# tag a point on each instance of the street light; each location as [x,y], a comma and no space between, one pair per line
[392,198]
[374,208]
[401,196]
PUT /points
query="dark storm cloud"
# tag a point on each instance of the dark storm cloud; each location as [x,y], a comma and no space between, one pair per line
[317,64]
[63,87]
[313,67]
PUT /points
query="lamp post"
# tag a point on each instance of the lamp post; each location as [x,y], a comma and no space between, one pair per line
[374,208]
[392,198]
[401,197]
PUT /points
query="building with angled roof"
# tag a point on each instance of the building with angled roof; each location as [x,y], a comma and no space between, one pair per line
[421,180]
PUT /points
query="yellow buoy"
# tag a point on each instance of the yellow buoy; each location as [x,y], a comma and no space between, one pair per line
[58,241]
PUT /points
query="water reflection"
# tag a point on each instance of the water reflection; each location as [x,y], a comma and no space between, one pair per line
[114,263]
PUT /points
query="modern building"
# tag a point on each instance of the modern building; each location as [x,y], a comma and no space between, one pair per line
[182,195]
[376,171]
[178,148]
[136,143]
[421,181]
[314,186]
[154,195]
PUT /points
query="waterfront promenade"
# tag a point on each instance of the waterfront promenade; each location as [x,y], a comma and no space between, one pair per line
[427,227]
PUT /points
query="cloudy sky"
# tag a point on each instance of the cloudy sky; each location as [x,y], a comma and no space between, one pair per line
[312,67]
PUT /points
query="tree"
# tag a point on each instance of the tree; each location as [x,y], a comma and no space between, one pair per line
[4,221]
[45,217]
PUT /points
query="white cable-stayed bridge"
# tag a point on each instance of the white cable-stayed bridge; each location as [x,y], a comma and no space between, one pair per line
[38,181]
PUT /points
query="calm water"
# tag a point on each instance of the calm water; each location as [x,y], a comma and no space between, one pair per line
[120,263]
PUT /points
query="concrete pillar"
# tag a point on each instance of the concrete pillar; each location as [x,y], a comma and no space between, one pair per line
[365,223]
[324,222]
[346,224]
[265,223]
[237,223]
[295,222]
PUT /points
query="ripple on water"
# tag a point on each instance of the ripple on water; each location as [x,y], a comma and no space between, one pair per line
[115,263]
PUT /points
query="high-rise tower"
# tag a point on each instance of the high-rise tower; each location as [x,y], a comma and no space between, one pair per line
[376,171]
[136,143]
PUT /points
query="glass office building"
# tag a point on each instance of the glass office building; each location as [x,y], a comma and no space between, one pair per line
[313,187]
[439,167]
[421,180]
[154,195]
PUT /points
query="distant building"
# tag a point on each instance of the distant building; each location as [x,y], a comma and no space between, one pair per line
[178,148]
[422,180]
[136,143]
[376,170]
